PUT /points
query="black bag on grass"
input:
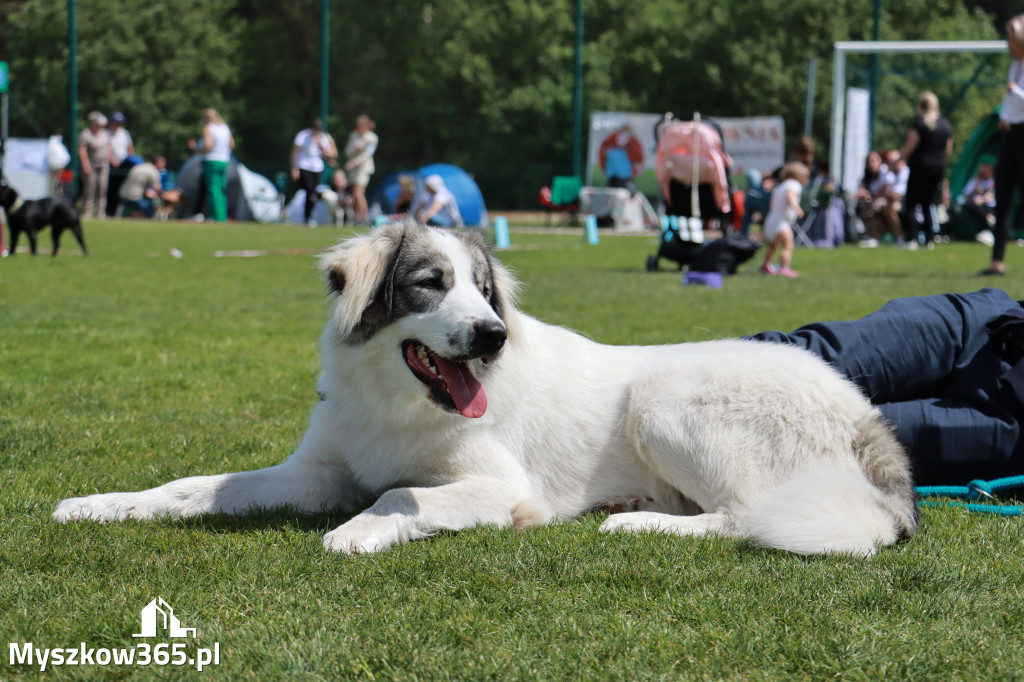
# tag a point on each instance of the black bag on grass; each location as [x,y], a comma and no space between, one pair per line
[724,255]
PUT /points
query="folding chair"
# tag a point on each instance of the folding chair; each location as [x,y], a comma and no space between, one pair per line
[800,228]
[809,202]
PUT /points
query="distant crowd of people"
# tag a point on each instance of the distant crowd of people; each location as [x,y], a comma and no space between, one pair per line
[142,188]
[319,170]
[314,151]
[900,187]
[903,190]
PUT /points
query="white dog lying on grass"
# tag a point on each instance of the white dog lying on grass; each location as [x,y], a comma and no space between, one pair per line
[447,408]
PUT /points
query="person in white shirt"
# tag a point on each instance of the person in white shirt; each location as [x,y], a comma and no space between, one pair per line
[310,149]
[121,148]
[897,173]
[437,205]
[121,144]
[1010,167]
[217,145]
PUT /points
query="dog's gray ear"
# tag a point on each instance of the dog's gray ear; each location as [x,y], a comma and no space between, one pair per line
[378,312]
[360,271]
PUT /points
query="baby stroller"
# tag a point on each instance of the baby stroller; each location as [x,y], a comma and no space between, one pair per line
[723,255]
[692,170]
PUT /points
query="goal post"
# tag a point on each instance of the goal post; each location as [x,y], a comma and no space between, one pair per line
[843,48]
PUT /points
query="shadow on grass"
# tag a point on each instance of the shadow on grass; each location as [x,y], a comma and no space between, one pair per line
[263,519]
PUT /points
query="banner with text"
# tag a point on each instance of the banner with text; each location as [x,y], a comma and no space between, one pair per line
[753,143]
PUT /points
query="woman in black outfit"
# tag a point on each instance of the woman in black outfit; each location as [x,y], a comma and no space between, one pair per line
[929,141]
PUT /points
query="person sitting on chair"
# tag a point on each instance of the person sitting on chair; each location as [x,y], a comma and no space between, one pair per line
[979,200]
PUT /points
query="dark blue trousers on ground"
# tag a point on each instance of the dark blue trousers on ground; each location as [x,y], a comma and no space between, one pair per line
[950,387]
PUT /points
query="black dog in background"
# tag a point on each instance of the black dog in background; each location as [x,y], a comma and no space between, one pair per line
[31,217]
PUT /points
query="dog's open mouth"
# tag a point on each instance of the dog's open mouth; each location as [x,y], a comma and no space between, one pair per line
[451,383]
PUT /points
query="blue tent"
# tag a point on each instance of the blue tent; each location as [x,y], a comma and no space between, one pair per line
[462,186]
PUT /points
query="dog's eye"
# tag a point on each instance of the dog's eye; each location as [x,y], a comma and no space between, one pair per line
[434,282]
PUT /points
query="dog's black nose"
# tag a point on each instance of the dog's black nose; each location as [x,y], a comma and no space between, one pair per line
[488,337]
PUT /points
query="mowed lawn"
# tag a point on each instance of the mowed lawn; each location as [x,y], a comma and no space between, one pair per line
[128,368]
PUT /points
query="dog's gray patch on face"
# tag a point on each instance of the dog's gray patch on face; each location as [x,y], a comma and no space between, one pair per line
[423,277]
[417,282]
[420,277]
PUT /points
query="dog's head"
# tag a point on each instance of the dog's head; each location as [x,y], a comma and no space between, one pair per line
[7,196]
[434,296]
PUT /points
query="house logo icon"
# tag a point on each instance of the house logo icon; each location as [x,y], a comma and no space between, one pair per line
[159,614]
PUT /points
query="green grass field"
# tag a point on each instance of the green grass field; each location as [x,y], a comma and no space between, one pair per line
[129,368]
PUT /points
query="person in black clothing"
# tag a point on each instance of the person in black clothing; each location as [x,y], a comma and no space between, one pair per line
[929,141]
[946,370]
[1010,168]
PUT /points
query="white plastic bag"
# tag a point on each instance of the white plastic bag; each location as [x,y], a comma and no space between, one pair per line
[57,155]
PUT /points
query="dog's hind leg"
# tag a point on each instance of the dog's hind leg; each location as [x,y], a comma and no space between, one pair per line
[55,236]
[32,240]
[716,523]
[76,229]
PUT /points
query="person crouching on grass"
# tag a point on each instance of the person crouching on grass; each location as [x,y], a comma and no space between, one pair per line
[783,212]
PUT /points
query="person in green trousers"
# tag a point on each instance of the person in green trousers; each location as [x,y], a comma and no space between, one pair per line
[217,145]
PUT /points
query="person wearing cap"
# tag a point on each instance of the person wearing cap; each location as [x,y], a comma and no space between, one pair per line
[122,148]
[437,206]
[94,155]
[121,144]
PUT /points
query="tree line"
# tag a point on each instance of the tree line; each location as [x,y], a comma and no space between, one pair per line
[483,84]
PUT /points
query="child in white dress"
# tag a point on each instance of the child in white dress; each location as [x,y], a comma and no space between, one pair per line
[783,212]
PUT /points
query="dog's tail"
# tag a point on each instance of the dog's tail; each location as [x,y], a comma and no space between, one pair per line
[851,507]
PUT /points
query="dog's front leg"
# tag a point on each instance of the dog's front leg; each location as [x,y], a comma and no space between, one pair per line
[405,514]
[288,484]
[314,478]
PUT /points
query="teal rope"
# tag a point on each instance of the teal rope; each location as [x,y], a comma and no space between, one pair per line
[975,490]
[1001,510]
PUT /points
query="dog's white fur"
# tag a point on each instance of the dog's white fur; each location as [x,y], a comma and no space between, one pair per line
[761,437]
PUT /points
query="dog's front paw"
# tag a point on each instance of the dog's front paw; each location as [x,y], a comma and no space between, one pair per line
[363,534]
[102,508]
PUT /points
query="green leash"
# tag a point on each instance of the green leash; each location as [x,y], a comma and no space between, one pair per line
[975,490]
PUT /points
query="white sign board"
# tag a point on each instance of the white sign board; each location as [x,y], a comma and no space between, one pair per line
[855,143]
[25,167]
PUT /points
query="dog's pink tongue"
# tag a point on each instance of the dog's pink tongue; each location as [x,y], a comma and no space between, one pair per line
[463,387]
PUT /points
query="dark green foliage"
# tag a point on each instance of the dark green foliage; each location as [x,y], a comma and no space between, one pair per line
[483,84]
